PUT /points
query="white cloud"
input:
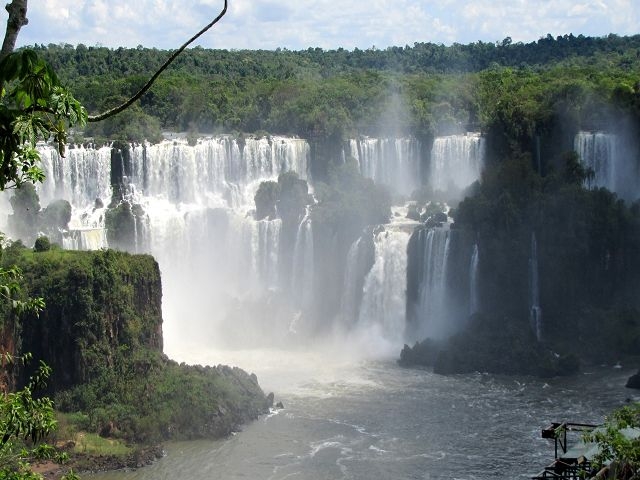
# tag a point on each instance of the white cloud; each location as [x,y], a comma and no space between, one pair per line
[324,23]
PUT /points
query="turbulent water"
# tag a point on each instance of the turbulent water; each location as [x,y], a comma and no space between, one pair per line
[345,419]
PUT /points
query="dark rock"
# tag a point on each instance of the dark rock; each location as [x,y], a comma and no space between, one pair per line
[413,213]
[440,217]
[493,345]
[270,399]
[279,406]
[422,353]
[634,381]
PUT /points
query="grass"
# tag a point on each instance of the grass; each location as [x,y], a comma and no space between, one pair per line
[70,430]
[96,445]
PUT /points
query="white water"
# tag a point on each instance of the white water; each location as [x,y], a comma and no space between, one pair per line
[613,167]
[303,264]
[81,177]
[598,152]
[456,162]
[434,321]
[393,162]
[382,312]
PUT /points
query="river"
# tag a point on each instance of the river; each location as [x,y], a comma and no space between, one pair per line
[363,419]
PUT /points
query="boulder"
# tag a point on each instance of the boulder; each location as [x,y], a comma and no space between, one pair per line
[634,381]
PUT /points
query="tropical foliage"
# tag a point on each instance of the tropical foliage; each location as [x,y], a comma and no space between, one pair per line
[34,106]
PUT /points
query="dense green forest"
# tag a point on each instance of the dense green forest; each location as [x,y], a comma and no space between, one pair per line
[423,89]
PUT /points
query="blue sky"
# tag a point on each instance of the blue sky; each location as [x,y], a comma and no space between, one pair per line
[298,24]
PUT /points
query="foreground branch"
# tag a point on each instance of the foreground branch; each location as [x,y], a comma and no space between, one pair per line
[128,103]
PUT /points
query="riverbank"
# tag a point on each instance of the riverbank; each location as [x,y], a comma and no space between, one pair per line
[81,463]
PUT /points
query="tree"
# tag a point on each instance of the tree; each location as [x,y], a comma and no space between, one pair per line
[34,106]
[618,447]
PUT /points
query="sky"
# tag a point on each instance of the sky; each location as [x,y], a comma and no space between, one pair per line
[299,24]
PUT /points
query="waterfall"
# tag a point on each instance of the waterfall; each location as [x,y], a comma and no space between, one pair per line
[534,292]
[352,285]
[302,278]
[597,151]
[81,177]
[360,259]
[382,312]
[429,317]
[474,303]
[193,211]
[456,162]
[265,249]
[85,239]
[394,163]
[216,172]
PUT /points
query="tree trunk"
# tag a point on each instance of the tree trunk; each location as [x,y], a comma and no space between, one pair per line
[17,19]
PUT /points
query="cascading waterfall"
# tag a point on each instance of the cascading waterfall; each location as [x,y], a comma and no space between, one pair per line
[474,303]
[432,309]
[265,246]
[220,176]
[598,152]
[382,312]
[393,162]
[353,283]
[216,172]
[302,278]
[534,292]
[195,206]
[80,177]
[456,162]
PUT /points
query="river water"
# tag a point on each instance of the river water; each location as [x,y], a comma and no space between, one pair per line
[363,419]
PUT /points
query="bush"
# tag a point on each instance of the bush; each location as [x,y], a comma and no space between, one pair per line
[42,244]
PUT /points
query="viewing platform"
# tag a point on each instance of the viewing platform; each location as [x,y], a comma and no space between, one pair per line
[575,462]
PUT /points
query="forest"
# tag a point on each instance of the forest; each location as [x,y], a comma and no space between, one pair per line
[425,89]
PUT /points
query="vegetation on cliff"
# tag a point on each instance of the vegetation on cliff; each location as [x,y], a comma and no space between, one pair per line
[101,331]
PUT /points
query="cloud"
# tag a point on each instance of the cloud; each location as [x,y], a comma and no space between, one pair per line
[298,24]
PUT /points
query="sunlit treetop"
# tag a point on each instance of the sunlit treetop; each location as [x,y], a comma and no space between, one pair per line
[34,107]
